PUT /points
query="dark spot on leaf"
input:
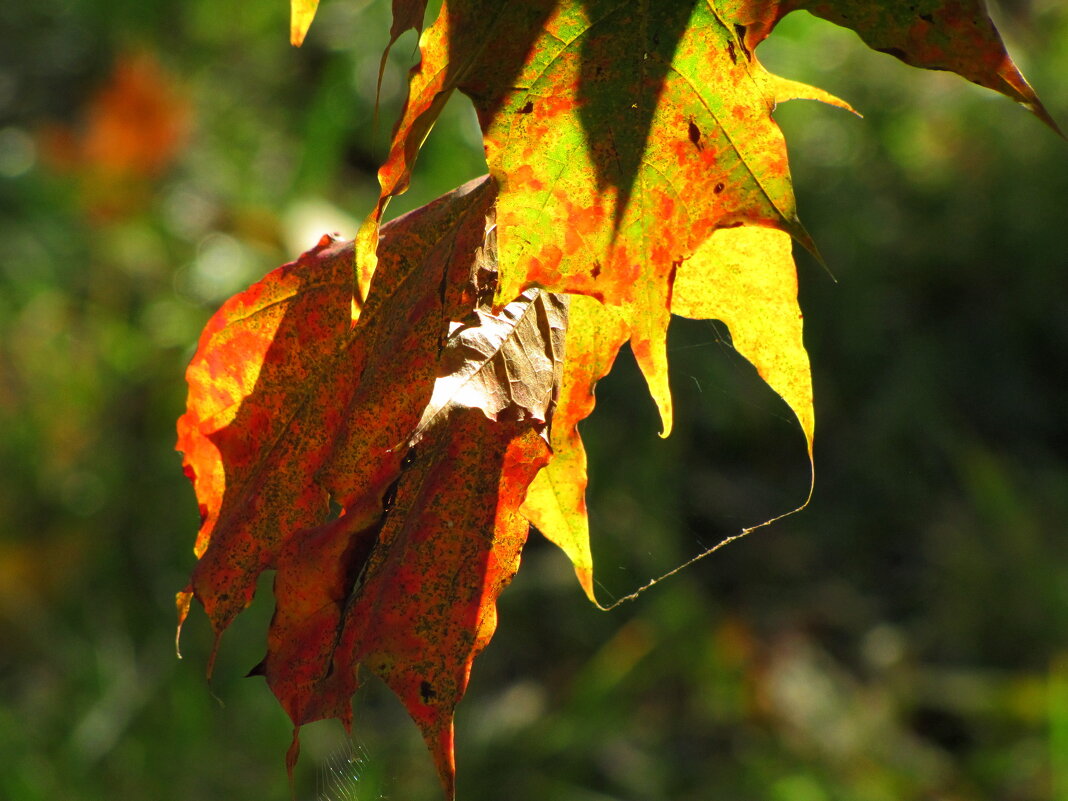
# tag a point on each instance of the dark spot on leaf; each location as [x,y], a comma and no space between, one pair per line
[717,188]
[427,692]
[596,271]
[675,265]
[695,136]
[740,31]
[927,18]
[732,52]
[529,107]
[358,551]
[409,459]
[485,279]
[390,498]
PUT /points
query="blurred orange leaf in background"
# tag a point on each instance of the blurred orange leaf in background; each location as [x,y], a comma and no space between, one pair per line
[131,130]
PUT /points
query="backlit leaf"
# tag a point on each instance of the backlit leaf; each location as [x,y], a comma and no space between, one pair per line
[301,14]
[290,404]
[287,392]
[746,278]
[953,35]
[621,136]
[556,502]
[377,421]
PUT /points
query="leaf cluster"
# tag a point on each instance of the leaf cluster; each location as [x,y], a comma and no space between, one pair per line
[379,422]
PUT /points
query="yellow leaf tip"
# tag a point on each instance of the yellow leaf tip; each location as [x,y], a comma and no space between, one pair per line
[302,12]
[182,601]
[666,408]
[585,578]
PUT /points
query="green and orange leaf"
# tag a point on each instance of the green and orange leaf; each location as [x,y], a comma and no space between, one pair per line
[623,137]
[556,502]
[744,277]
[377,421]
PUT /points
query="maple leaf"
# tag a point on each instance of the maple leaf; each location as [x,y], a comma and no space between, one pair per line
[424,421]
[595,196]
[556,502]
[417,381]
[744,277]
[623,137]
[953,35]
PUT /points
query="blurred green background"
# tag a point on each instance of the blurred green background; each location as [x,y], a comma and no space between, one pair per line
[902,638]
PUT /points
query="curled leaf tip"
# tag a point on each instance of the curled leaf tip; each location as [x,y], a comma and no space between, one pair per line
[182,601]
[667,410]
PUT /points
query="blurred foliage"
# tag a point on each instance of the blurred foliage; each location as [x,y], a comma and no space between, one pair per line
[902,638]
